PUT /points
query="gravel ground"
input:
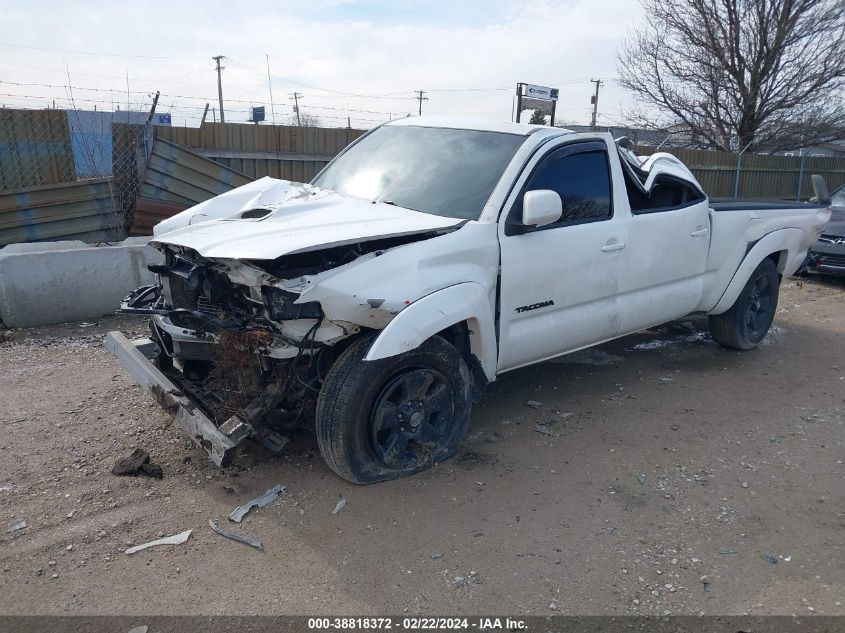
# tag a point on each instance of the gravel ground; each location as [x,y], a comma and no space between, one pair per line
[688,479]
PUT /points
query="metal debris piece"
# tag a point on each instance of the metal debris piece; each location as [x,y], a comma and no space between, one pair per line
[241,538]
[436,556]
[545,430]
[641,478]
[17,525]
[341,504]
[263,501]
[176,539]
[534,404]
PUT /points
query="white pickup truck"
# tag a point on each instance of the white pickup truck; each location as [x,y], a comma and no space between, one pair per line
[429,257]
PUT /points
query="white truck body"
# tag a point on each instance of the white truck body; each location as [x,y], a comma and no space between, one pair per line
[523,294]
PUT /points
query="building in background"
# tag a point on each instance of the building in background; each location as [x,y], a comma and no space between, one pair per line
[91,137]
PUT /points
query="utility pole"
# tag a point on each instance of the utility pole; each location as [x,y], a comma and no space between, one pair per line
[595,101]
[420,98]
[296,96]
[270,84]
[217,58]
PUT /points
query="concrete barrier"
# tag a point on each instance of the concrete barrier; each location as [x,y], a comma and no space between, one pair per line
[55,282]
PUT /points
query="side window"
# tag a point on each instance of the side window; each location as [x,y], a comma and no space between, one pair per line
[666,194]
[582,179]
[838,198]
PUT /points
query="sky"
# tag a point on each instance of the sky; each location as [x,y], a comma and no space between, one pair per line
[361,59]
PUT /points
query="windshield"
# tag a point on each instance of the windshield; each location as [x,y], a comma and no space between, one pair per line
[434,170]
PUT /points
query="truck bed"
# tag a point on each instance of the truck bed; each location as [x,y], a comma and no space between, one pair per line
[756,204]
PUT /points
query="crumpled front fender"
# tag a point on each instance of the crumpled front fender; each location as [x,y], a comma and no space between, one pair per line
[437,311]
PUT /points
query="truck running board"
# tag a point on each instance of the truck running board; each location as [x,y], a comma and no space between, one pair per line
[135,357]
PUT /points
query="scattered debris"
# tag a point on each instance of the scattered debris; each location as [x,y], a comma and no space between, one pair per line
[786,559]
[472,578]
[176,539]
[86,324]
[139,629]
[137,463]
[436,556]
[641,478]
[728,551]
[241,538]
[544,429]
[341,504]
[262,502]
[771,559]
[705,580]
[17,525]
[534,404]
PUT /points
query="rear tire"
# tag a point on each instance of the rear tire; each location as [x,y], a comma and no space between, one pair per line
[389,418]
[748,320]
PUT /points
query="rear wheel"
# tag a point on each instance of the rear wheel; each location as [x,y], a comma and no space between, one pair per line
[393,417]
[748,320]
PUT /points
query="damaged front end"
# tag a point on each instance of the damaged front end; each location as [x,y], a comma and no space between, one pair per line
[231,338]
[236,340]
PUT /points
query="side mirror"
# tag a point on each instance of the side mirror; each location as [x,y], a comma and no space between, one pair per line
[541,207]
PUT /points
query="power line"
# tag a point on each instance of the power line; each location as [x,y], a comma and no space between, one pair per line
[98,54]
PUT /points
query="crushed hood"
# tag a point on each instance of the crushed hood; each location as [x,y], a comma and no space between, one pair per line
[291,218]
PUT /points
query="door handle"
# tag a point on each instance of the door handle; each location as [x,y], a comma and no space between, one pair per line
[700,232]
[615,246]
[755,218]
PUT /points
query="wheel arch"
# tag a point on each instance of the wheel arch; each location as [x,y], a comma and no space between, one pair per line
[462,314]
[783,247]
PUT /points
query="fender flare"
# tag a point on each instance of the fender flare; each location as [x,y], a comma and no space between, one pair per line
[437,311]
[788,240]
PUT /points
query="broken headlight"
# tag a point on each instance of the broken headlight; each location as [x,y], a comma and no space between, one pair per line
[281,306]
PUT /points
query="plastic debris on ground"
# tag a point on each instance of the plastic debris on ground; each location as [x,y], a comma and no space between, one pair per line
[17,525]
[241,538]
[534,404]
[263,501]
[176,539]
[341,504]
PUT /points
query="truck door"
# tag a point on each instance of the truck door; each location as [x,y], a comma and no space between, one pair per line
[559,282]
[668,242]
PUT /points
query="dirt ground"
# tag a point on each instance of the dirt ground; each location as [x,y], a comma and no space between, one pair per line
[688,479]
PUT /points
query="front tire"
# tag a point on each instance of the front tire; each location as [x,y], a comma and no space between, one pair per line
[748,320]
[389,418]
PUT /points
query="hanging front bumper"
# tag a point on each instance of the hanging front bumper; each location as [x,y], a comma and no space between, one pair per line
[135,357]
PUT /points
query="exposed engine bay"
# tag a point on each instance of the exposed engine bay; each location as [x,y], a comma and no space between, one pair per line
[236,338]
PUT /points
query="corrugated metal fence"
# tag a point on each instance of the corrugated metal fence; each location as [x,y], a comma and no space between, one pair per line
[35,148]
[760,175]
[279,151]
[79,210]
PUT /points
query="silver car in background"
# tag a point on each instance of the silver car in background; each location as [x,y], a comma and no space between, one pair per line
[827,255]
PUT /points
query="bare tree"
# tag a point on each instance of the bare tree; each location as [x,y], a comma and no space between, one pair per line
[733,72]
[308,120]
